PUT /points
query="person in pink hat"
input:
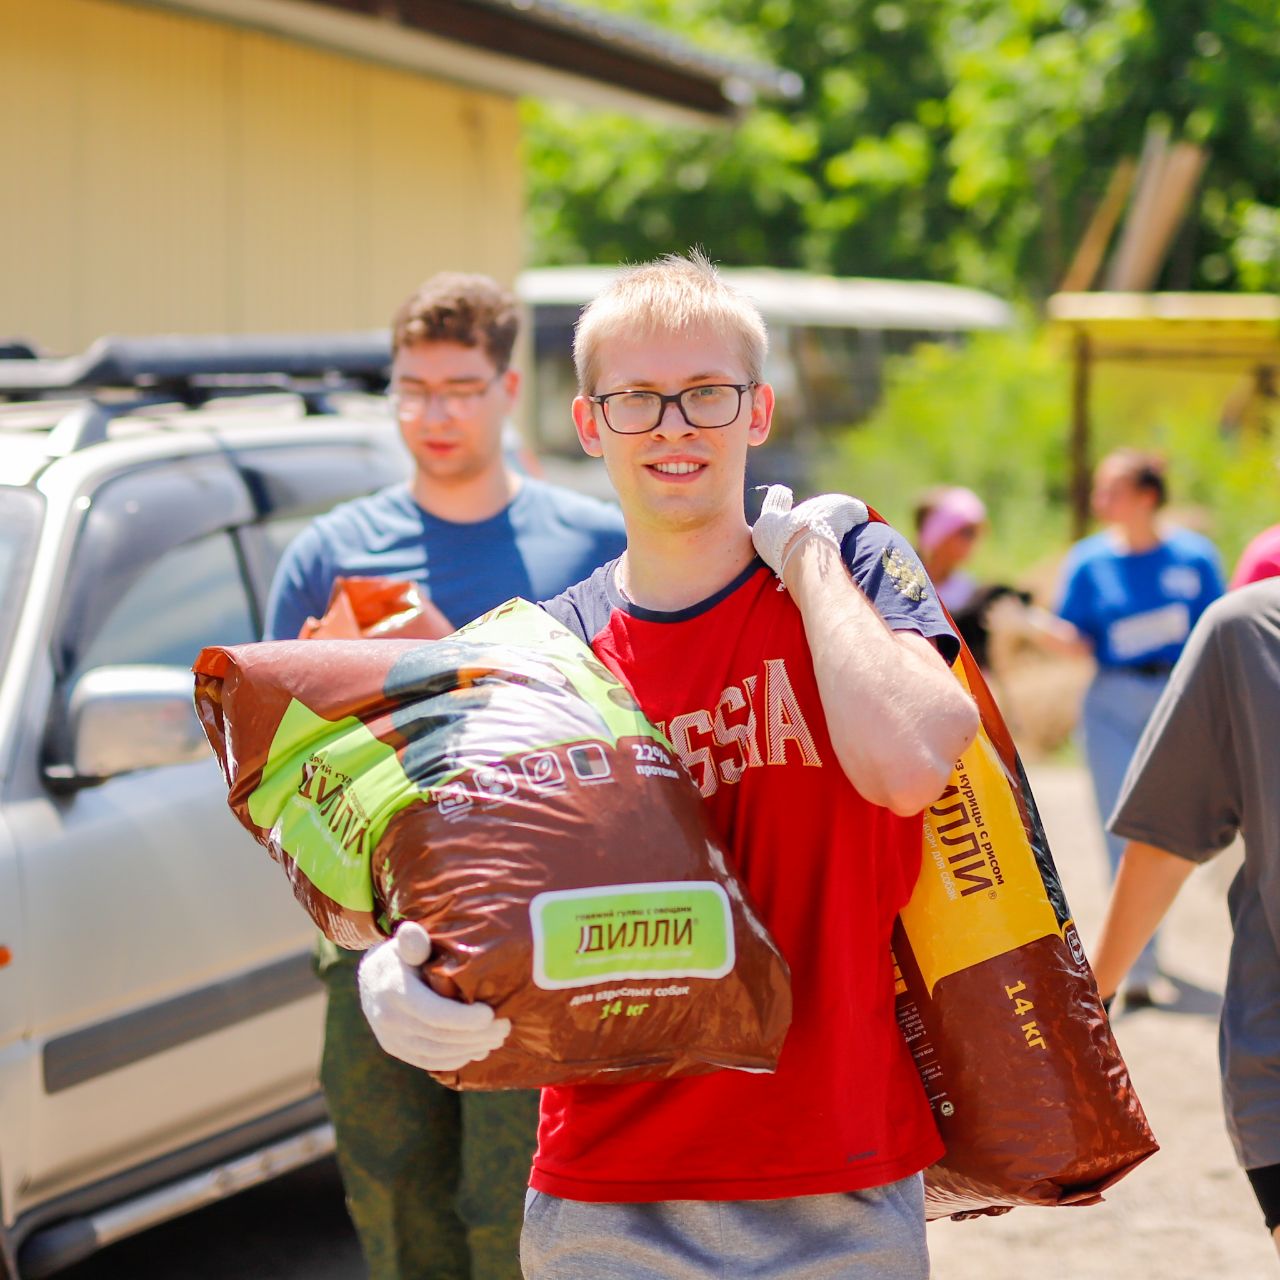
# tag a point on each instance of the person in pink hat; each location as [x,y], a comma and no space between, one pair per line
[949,520]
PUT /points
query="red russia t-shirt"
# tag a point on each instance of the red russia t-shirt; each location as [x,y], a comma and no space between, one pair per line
[731,683]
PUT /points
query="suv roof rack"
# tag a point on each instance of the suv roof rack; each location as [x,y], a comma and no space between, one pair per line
[194,368]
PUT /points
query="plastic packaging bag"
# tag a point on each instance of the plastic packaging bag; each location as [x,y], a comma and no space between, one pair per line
[998,1004]
[377,608]
[502,787]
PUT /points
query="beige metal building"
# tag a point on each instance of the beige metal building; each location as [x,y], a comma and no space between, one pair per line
[270,165]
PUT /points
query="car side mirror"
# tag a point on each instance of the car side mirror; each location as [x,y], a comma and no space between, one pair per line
[122,719]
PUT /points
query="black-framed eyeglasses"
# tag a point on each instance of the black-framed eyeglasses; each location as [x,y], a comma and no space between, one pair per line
[632,413]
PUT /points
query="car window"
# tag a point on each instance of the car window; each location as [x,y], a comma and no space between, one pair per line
[276,536]
[304,480]
[154,568]
[20,514]
[190,597]
[294,485]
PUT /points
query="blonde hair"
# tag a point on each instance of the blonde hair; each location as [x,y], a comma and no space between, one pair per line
[673,294]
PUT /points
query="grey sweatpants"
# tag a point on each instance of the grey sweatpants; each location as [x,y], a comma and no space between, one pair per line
[877,1234]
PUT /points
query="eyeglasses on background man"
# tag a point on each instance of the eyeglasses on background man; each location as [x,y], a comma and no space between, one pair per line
[457,400]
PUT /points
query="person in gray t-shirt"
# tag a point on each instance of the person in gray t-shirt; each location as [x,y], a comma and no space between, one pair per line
[1208,768]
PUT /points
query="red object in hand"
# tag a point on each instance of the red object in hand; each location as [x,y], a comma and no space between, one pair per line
[377,608]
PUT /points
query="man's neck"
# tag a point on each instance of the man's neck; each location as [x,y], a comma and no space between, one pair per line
[668,570]
[466,501]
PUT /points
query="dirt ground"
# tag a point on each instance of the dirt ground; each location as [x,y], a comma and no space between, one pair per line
[1187,1213]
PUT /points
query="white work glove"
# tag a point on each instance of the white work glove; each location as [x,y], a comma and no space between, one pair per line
[409,1020]
[829,516]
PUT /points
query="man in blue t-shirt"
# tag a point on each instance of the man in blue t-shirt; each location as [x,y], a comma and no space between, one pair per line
[434,1179]
[1133,593]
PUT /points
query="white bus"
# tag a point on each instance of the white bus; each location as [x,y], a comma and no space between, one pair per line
[829,337]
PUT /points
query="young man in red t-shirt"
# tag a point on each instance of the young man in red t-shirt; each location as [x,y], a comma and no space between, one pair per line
[800,669]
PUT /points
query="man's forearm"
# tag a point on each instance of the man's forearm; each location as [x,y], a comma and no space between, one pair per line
[1146,884]
[897,717]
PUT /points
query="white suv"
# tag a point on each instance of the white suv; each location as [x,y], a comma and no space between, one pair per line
[159,1024]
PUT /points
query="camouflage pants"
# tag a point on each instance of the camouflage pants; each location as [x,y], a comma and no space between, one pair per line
[434,1179]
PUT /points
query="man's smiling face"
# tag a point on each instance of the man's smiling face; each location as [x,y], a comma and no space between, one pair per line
[676,476]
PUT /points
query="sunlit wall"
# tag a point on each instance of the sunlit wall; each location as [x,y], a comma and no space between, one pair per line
[164,173]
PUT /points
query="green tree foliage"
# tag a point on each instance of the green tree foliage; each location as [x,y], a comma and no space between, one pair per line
[1047,96]
[963,140]
[847,179]
[993,414]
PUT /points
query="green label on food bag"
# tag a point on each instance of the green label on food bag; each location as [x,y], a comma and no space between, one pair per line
[328,790]
[670,929]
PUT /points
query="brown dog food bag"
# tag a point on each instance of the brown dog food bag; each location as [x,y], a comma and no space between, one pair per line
[998,1004]
[503,789]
